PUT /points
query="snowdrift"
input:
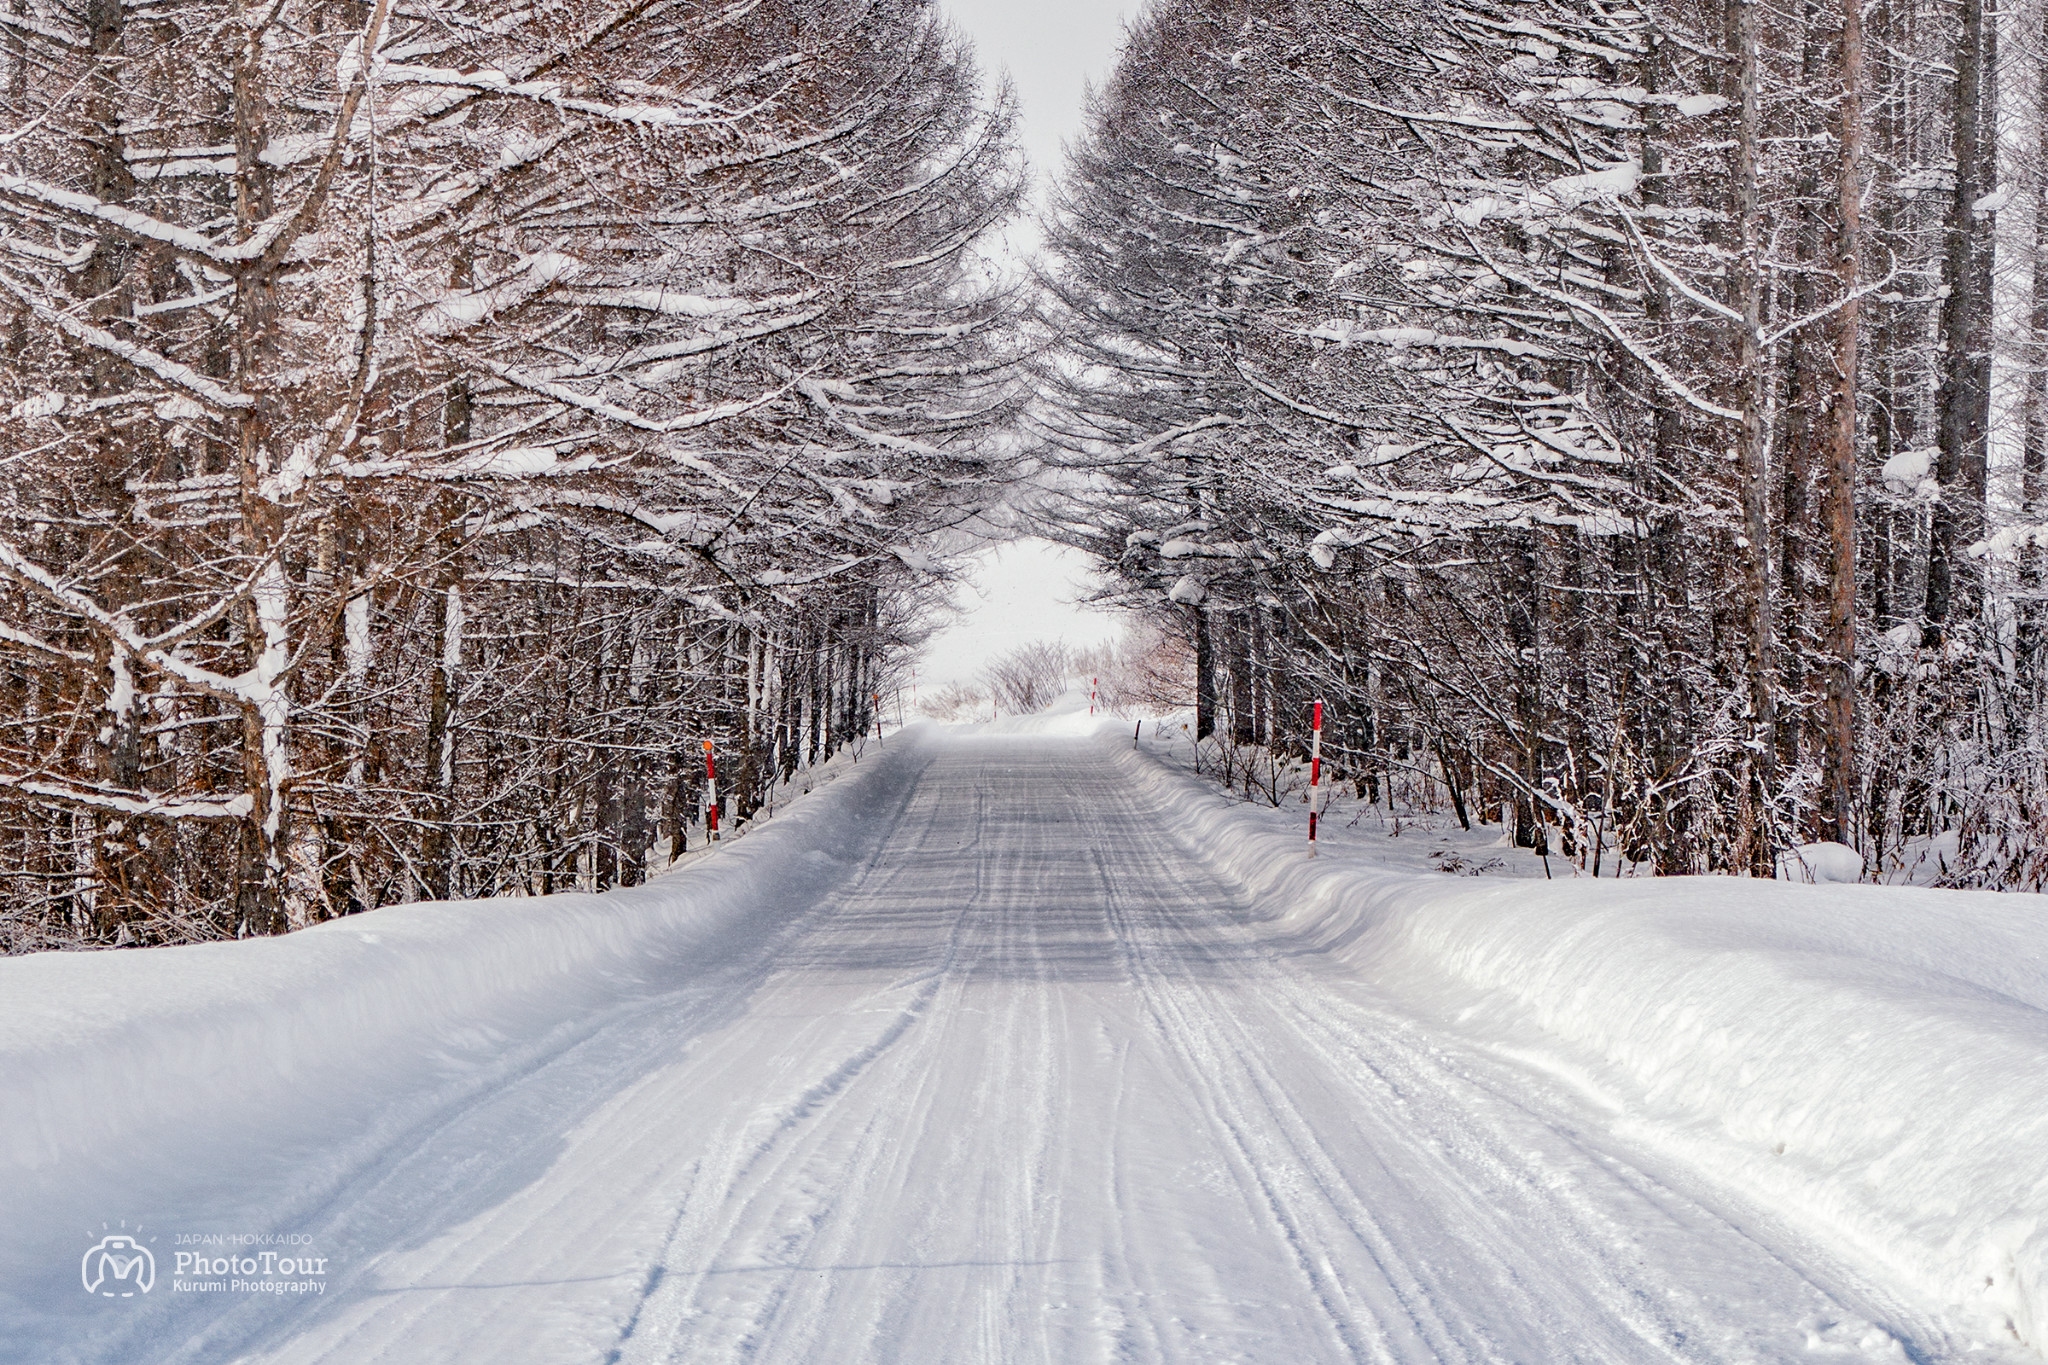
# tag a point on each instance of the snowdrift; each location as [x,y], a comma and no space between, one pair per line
[122,1069]
[1872,1060]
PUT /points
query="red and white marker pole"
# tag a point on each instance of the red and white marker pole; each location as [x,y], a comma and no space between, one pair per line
[710,794]
[1091,694]
[878,717]
[1315,775]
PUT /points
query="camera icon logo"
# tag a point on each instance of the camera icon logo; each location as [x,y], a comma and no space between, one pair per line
[118,1266]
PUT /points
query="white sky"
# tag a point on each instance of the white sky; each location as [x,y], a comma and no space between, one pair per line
[1023,590]
[1026,590]
[1051,48]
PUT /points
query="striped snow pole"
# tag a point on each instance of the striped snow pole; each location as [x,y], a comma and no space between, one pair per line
[878,717]
[710,793]
[1315,775]
[1091,694]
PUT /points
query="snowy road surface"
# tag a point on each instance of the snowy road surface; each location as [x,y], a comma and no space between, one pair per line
[1026,1084]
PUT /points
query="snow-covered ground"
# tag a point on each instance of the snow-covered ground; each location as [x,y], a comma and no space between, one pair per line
[1016,1044]
[1872,1060]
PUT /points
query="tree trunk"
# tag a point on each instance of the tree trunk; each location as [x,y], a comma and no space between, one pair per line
[1243,719]
[1530,829]
[1963,404]
[1754,852]
[1838,641]
[437,849]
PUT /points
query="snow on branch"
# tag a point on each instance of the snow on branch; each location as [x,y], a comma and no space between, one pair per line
[142,357]
[121,802]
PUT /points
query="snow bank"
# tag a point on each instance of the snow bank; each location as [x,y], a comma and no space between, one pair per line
[1872,1061]
[115,1065]
[1821,862]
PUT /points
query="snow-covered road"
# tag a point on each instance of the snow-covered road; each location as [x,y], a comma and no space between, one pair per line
[1030,1083]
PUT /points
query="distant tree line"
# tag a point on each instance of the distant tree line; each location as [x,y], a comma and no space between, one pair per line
[1144,670]
[1600,404]
[424,422]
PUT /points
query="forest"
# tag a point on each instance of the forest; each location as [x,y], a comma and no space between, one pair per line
[425,424]
[1631,417]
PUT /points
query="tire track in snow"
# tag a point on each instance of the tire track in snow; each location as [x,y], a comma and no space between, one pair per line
[1362,1039]
[1458,1075]
[772,1188]
[1035,1085]
[1325,1009]
[1362,1335]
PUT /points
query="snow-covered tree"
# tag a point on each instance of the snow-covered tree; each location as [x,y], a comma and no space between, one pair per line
[1594,401]
[427,422]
